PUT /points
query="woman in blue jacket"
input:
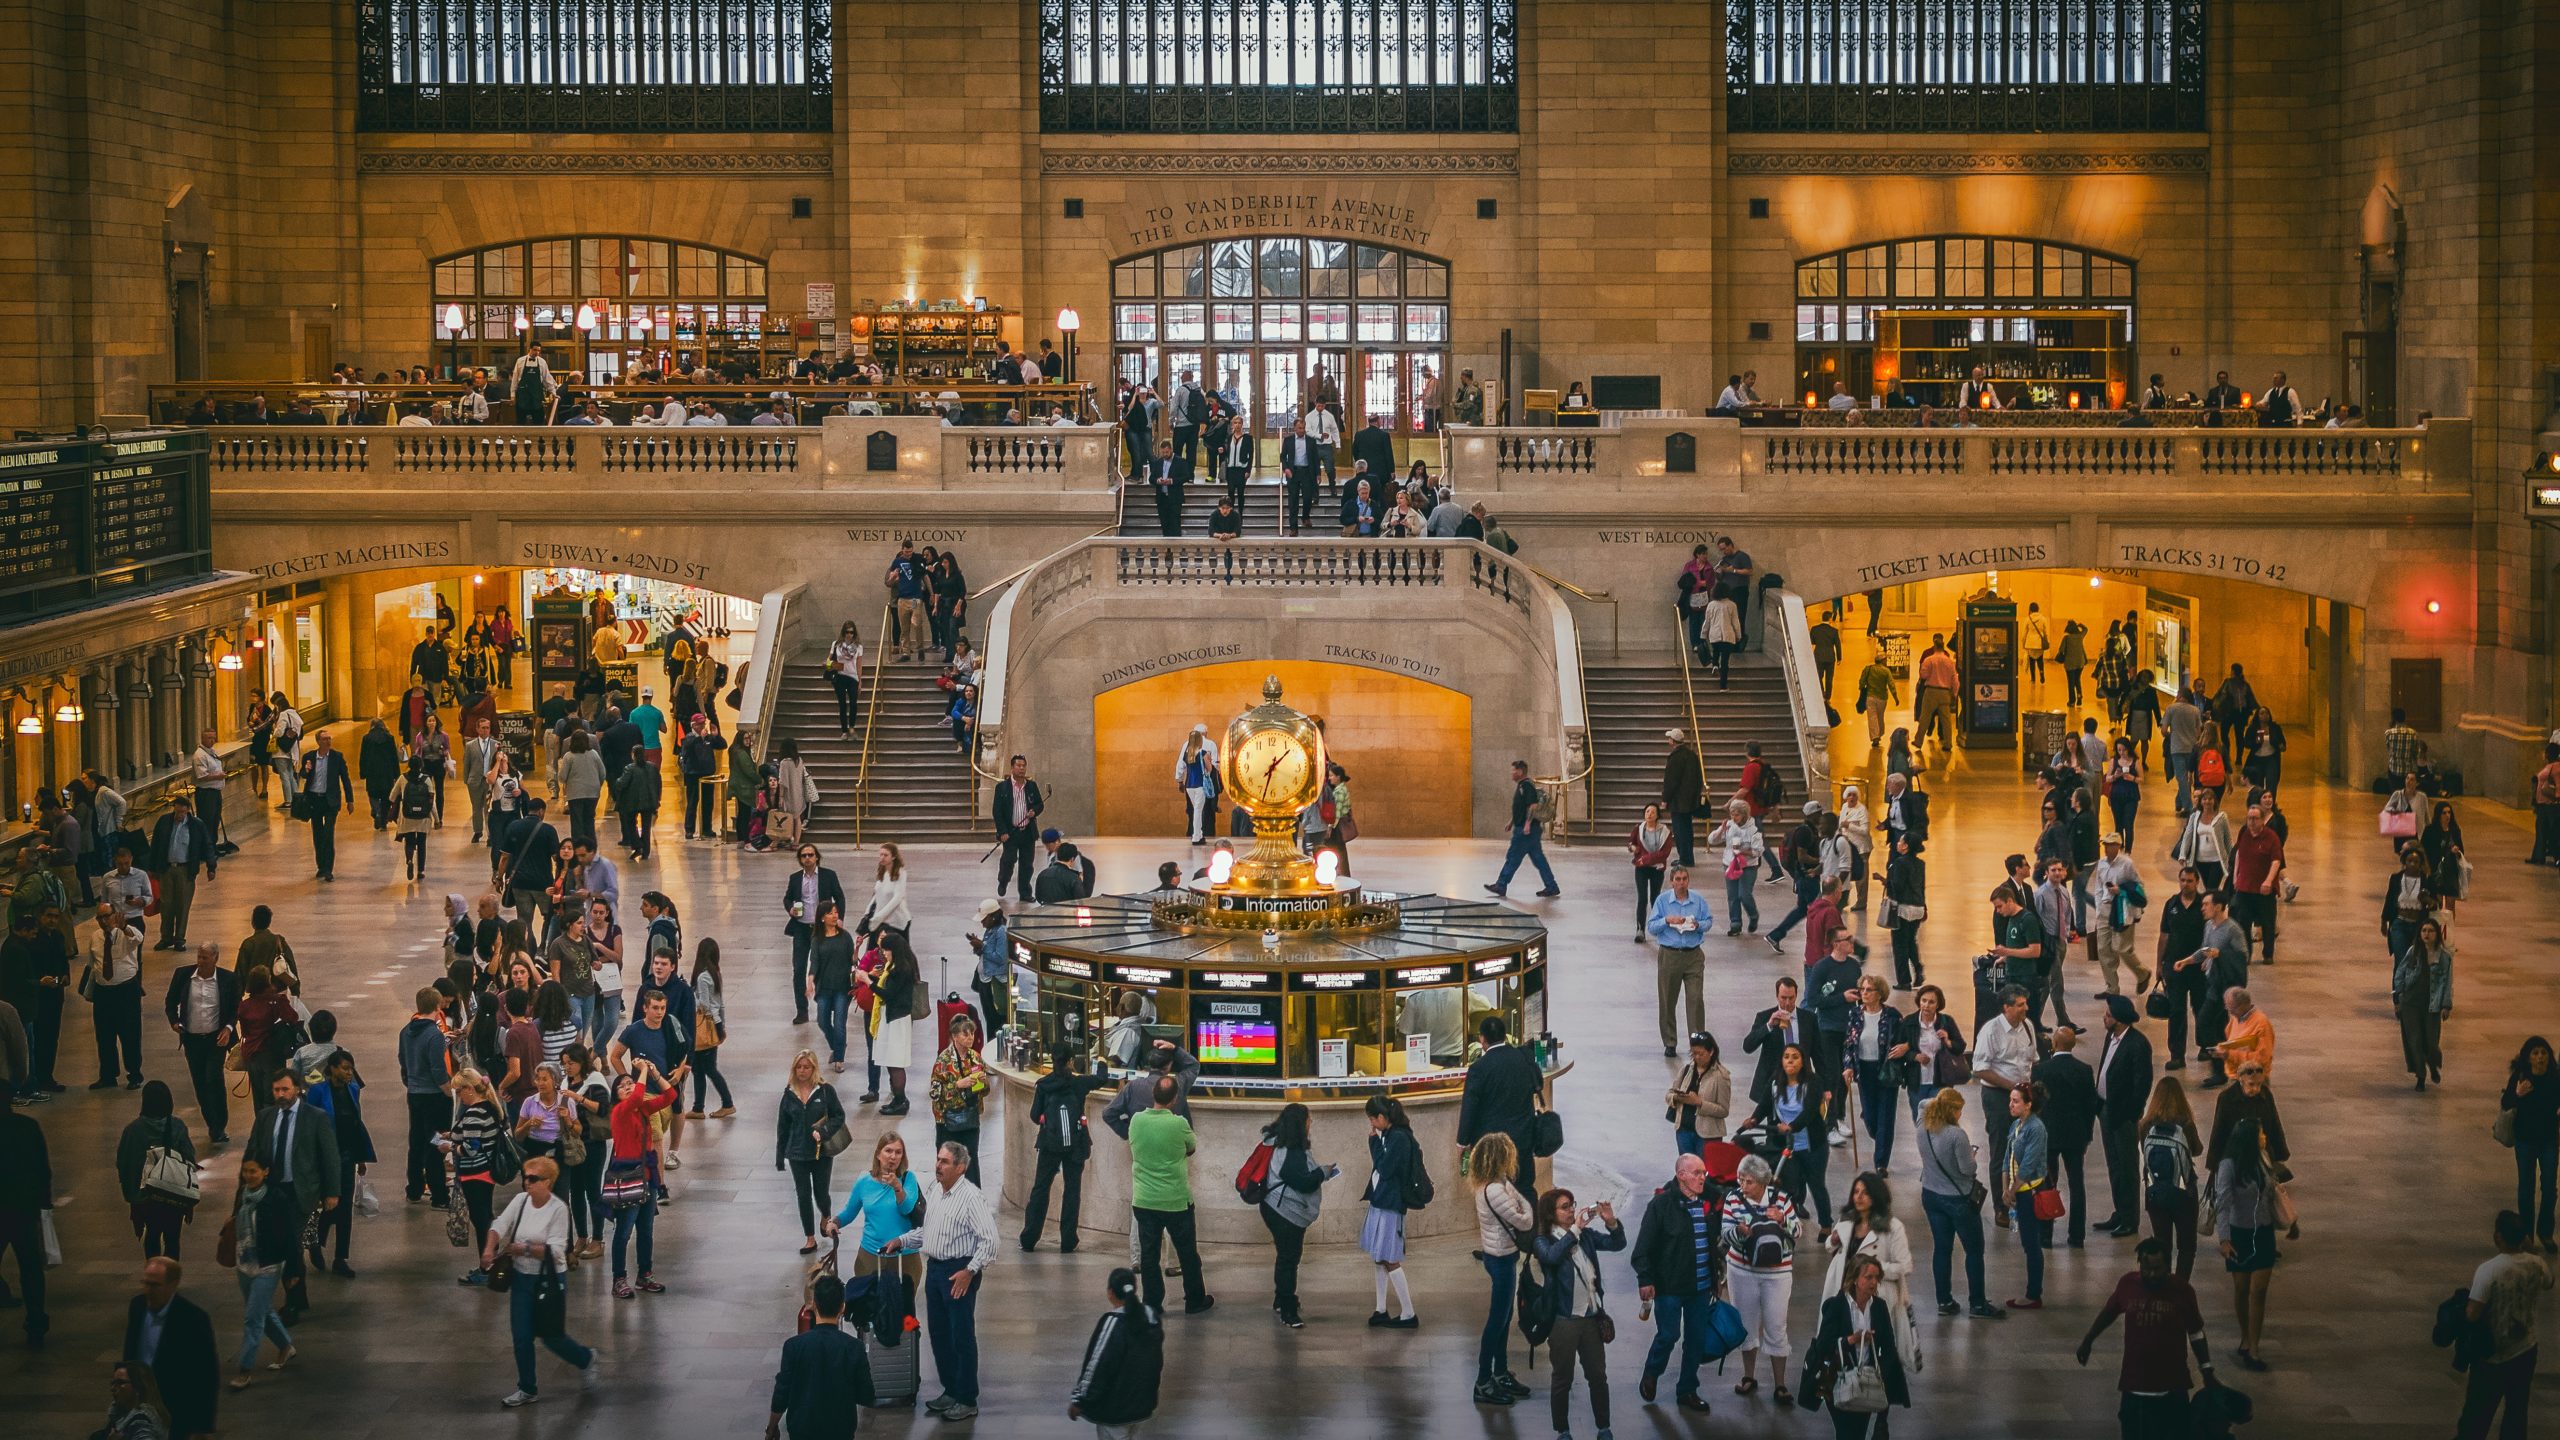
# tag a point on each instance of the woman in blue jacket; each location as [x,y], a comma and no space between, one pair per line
[1568,1249]
[1395,1160]
[2027,1170]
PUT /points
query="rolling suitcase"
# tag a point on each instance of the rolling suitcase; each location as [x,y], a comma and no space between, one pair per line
[949,1008]
[897,1371]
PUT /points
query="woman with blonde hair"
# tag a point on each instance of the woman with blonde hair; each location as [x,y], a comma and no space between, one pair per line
[890,1206]
[478,1128]
[1195,774]
[1951,1196]
[810,1111]
[1503,1215]
[1743,845]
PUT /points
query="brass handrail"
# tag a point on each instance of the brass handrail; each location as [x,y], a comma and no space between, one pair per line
[871,722]
[1597,597]
[1564,783]
[1688,691]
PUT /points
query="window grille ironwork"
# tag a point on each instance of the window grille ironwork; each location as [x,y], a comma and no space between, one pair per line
[1979,66]
[1278,66]
[594,65]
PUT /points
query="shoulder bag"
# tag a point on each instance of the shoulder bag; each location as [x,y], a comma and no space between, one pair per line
[168,1178]
[2503,1129]
[1546,1132]
[1858,1389]
[573,1136]
[502,1271]
[550,1300]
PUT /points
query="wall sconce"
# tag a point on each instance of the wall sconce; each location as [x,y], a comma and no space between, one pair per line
[1068,321]
[453,319]
[2093,582]
[524,322]
[229,660]
[200,667]
[31,724]
[587,318]
[70,713]
[2435,607]
[640,324]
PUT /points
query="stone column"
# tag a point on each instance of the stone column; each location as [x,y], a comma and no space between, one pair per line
[168,693]
[103,742]
[135,682]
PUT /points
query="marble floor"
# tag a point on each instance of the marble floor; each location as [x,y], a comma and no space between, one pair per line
[2396,1189]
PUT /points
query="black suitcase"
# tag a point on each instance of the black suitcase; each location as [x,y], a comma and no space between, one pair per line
[897,1371]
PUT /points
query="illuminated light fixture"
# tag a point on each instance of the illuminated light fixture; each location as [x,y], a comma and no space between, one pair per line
[1221,866]
[2075,399]
[229,660]
[1985,403]
[31,724]
[524,322]
[2093,582]
[453,319]
[1084,915]
[1328,866]
[587,318]
[640,323]
[476,579]
[2435,607]
[258,642]
[1068,320]
[70,713]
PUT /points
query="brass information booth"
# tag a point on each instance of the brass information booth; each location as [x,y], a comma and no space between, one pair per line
[1288,981]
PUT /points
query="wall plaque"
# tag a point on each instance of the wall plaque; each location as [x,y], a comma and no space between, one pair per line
[880,451]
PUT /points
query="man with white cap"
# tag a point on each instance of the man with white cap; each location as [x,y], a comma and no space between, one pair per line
[1684,793]
[2116,901]
[991,941]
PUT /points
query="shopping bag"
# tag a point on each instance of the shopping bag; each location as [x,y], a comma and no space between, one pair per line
[368,1204]
[52,1241]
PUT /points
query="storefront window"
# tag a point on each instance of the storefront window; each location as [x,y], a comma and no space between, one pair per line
[543,282]
[2054,318]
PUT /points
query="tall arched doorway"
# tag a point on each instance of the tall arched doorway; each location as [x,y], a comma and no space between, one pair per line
[1264,318]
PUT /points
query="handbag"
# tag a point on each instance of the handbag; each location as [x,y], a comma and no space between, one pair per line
[2158,1005]
[573,1142]
[1608,1327]
[550,1300]
[1859,1389]
[1909,914]
[1725,1332]
[626,1185]
[2046,1203]
[502,1271]
[2400,824]
[1546,1133]
[706,1032]
[1956,1066]
[168,1177]
[836,1141]
[306,805]
[2503,1128]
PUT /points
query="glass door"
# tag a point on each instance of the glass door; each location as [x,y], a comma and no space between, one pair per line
[1381,390]
[1280,390]
[1335,368]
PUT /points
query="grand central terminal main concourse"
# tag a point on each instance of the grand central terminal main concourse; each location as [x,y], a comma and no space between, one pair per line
[1765,715]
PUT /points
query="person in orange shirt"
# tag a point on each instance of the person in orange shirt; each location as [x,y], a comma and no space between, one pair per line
[2250,1036]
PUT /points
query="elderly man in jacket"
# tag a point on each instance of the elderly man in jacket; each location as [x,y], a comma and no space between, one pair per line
[1678,1264]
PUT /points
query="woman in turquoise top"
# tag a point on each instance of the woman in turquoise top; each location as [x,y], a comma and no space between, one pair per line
[891,1207]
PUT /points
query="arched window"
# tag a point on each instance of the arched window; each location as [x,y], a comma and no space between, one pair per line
[655,303]
[1247,66]
[2056,320]
[1973,65]
[610,65]
[1280,320]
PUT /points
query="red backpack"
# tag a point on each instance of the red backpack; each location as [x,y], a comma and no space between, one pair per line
[1253,1178]
[2210,769]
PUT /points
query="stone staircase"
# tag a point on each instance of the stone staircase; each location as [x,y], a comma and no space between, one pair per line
[1631,702]
[920,783]
[1262,512]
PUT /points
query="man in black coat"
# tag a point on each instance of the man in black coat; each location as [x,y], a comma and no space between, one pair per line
[26,1192]
[201,1006]
[1016,809]
[378,765]
[1905,814]
[1064,878]
[298,1144]
[1502,1094]
[2124,1090]
[824,1381]
[1679,1280]
[1299,461]
[1684,793]
[322,778]
[1772,1030]
[2070,1117]
[531,854]
[1374,445]
[181,849]
[810,890]
[171,1333]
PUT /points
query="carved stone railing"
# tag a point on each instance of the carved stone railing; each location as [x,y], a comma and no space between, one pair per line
[733,450]
[467,450]
[2065,452]
[1015,451]
[2302,452]
[1850,453]
[270,450]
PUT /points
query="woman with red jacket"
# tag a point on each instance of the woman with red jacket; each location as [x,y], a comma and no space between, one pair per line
[637,1097]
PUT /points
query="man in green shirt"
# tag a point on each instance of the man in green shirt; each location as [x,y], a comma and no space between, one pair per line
[1160,1149]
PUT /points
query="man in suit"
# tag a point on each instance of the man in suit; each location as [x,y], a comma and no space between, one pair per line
[1016,808]
[181,846]
[298,1144]
[201,1004]
[810,890]
[111,958]
[2070,1117]
[2124,1089]
[171,1333]
[1906,813]
[532,854]
[26,1192]
[1374,447]
[1502,1092]
[324,778]
[824,1381]
[1165,475]
[1299,457]
[1772,1031]
[2222,394]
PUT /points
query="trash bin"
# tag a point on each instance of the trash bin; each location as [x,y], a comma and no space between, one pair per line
[2041,733]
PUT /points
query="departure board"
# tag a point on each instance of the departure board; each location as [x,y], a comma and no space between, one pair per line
[89,517]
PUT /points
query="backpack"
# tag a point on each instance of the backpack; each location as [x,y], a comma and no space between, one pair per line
[1253,1178]
[1418,1191]
[1768,790]
[2168,1167]
[1537,1316]
[1543,809]
[1766,1244]
[2210,769]
[417,799]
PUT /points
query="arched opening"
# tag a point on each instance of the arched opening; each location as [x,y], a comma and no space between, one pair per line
[1407,744]
[654,304]
[1278,322]
[2050,325]
[2299,654]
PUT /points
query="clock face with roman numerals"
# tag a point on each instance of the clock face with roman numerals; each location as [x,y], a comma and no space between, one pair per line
[1272,771]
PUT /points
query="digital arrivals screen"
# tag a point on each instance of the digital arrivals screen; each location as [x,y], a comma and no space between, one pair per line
[1234,1033]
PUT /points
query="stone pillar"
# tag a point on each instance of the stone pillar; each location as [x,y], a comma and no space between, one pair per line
[103,743]
[168,692]
[135,683]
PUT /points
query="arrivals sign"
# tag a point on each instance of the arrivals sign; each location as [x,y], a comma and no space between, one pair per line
[83,519]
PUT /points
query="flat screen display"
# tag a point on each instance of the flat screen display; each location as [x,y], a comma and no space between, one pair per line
[1224,1040]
